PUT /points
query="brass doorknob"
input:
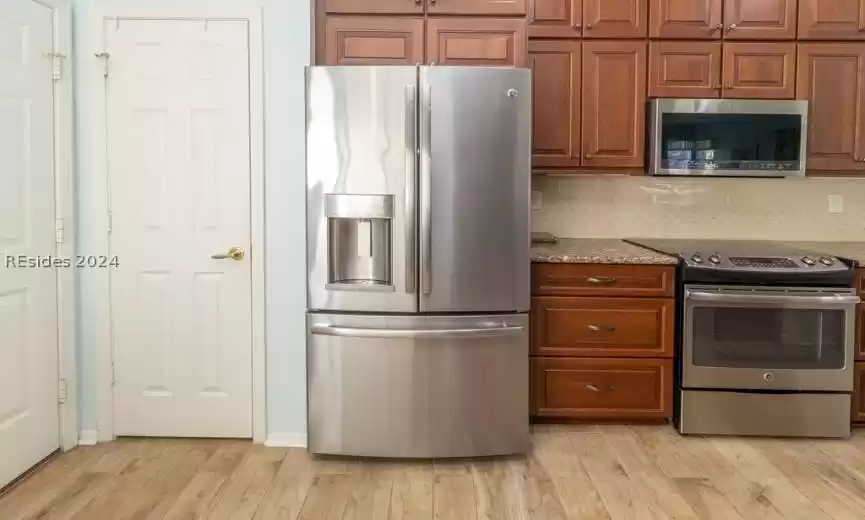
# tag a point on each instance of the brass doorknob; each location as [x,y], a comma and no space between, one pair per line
[235,253]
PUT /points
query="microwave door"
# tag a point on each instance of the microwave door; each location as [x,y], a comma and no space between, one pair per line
[475,125]
[361,188]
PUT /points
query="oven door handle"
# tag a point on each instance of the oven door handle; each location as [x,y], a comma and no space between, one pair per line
[841,299]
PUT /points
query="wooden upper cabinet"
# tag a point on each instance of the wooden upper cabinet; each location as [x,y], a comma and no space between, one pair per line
[476,41]
[614,103]
[686,19]
[759,70]
[555,18]
[831,76]
[371,40]
[832,19]
[685,69]
[615,18]
[760,19]
[556,80]
[497,7]
[374,6]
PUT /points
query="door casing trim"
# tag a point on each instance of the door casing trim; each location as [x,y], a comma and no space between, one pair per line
[93,74]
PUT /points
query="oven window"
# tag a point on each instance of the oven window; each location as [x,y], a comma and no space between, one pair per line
[731,141]
[768,338]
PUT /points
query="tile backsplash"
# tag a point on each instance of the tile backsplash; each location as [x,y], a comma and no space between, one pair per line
[615,206]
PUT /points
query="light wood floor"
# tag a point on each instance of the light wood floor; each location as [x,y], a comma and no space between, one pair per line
[574,472]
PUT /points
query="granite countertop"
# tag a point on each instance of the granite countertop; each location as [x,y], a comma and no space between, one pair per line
[852,250]
[597,251]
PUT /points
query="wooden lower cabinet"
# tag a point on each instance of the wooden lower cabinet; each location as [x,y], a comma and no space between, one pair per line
[370,40]
[858,412]
[602,389]
[476,41]
[602,327]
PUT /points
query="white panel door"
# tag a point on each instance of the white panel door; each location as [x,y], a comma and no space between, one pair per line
[179,169]
[28,296]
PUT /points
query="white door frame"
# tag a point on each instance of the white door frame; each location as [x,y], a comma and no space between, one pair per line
[64,211]
[95,44]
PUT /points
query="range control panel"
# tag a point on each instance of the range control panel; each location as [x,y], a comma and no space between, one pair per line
[744,262]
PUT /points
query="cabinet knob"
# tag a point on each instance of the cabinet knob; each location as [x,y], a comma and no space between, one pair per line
[588,26]
[432,2]
[729,86]
[432,63]
[578,26]
[588,156]
[417,2]
[718,27]
[729,27]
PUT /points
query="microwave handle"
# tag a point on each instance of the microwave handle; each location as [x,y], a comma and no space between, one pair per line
[700,296]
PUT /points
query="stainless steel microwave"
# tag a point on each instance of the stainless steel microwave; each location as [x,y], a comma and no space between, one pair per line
[728,137]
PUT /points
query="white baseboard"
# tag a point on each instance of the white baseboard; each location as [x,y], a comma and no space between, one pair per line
[88,437]
[286,440]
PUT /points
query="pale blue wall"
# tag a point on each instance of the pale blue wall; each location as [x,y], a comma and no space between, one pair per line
[286,51]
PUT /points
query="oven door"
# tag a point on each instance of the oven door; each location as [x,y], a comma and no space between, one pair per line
[762,338]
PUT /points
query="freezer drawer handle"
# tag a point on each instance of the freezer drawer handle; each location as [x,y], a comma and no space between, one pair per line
[331,330]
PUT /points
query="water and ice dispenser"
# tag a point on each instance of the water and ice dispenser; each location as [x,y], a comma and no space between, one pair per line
[359,242]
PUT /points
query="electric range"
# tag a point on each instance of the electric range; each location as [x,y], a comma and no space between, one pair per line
[765,338]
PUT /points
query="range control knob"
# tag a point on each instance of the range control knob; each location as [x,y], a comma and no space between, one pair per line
[697,258]
[807,260]
[827,260]
[715,258]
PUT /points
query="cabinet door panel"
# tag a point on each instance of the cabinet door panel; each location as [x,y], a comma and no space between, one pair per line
[760,19]
[614,103]
[759,70]
[688,19]
[556,77]
[831,76]
[374,6]
[476,42]
[615,18]
[555,18]
[606,389]
[497,7]
[858,414]
[832,19]
[685,69]
[368,40]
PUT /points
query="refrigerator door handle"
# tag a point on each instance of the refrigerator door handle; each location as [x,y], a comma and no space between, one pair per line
[410,188]
[426,185]
[353,332]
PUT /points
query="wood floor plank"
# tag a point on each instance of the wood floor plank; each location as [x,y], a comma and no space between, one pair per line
[604,472]
[808,480]
[774,486]
[454,497]
[412,494]
[284,499]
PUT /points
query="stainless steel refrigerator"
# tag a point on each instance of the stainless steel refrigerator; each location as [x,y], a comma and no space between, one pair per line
[418,204]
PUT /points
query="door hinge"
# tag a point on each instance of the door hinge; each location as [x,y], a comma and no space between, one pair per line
[104,56]
[59,231]
[56,64]
[62,390]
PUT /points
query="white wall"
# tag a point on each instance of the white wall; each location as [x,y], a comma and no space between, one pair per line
[287,48]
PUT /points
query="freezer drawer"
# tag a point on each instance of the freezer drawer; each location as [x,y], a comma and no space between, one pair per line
[418,386]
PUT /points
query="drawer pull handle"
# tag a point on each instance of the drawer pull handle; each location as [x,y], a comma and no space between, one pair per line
[601,279]
[593,388]
[605,328]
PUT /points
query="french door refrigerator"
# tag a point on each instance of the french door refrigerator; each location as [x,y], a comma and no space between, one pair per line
[418,204]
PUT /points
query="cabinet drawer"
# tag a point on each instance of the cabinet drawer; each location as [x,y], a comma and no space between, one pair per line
[602,388]
[602,327]
[602,280]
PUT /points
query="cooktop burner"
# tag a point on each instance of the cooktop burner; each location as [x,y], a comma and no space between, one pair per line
[755,261]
